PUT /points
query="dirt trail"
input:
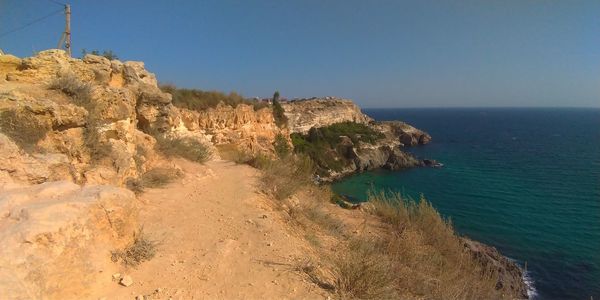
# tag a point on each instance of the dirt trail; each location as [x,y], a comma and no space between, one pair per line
[220,240]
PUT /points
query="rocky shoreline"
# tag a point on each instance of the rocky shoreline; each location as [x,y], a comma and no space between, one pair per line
[386,152]
[390,153]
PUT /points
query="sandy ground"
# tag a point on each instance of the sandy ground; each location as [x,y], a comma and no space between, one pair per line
[220,239]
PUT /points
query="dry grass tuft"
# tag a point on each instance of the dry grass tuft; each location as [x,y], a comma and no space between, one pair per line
[23,128]
[159,177]
[362,271]
[142,249]
[155,178]
[428,258]
[71,86]
[285,176]
[188,148]
[316,214]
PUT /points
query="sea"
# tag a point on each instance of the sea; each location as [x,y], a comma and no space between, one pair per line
[524,180]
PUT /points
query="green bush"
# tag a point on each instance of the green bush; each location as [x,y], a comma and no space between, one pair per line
[281,146]
[200,100]
[279,114]
[109,54]
[322,144]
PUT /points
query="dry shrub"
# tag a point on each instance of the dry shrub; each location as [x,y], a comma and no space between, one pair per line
[23,128]
[428,258]
[362,271]
[285,176]
[155,178]
[159,177]
[232,153]
[316,214]
[142,249]
[186,147]
[71,86]
[313,239]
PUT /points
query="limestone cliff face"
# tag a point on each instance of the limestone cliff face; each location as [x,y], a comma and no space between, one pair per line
[247,129]
[96,135]
[304,114]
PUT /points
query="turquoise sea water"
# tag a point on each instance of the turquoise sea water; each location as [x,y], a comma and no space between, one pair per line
[526,181]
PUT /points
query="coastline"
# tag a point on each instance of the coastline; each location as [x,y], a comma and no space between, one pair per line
[516,276]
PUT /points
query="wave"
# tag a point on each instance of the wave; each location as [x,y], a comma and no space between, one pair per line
[531,291]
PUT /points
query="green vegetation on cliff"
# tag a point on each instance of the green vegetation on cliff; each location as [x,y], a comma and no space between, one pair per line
[326,145]
[200,100]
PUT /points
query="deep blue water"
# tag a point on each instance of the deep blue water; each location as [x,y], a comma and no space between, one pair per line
[526,181]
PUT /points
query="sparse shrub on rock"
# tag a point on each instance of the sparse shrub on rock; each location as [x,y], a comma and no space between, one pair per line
[185,147]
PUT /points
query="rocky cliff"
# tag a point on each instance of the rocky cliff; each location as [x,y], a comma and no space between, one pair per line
[320,112]
[92,120]
[249,130]
[349,155]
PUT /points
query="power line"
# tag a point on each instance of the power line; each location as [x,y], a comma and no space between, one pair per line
[30,23]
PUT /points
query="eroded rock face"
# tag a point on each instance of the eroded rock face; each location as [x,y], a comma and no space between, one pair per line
[100,130]
[386,152]
[304,114]
[249,130]
[55,237]
[510,275]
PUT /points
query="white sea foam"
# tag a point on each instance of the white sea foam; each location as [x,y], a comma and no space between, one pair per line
[531,291]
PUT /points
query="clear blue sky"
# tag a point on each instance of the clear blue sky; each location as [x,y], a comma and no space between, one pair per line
[380,53]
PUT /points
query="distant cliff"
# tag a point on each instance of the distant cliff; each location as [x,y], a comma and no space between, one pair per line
[323,129]
[320,112]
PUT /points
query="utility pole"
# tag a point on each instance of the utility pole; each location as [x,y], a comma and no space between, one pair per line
[66,36]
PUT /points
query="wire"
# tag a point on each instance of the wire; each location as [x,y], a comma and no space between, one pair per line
[30,23]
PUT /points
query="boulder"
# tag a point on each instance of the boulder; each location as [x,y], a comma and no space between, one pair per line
[56,236]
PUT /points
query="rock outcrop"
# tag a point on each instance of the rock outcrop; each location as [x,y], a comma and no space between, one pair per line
[510,275]
[97,118]
[249,130]
[320,112]
[81,115]
[387,152]
[56,237]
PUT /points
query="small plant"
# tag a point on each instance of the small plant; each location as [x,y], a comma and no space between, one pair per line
[71,86]
[313,239]
[23,128]
[155,178]
[160,177]
[199,100]
[281,146]
[317,215]
[135,185]
[283,177]
[141,249]
[109,54]
[188,148]
[278,112]
[362,272]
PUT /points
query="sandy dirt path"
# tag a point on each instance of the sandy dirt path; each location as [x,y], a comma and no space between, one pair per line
[220,239]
